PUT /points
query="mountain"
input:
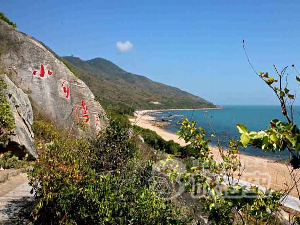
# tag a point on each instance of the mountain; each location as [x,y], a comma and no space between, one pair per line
[115,87]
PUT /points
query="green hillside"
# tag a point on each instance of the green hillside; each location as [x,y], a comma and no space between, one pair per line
[117,88]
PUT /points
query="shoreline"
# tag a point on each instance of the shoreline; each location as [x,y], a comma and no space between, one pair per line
[268,173]
[150,111]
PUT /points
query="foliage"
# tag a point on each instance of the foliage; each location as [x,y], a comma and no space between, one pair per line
[45,131]
[73,182]
[119,116]
[157,142]
[8,161]
[69,66]
[4,18]
[225,201]
[280,135]
[116,107]
[7,123]
[113,149]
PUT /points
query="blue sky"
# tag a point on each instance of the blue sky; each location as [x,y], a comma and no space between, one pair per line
[193,45]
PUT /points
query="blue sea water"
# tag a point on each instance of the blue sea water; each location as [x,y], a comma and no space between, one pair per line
[224,122]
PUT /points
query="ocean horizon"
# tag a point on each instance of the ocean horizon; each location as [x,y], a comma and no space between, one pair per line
[223,121]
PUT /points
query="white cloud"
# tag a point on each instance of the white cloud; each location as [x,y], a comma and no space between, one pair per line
[124,47]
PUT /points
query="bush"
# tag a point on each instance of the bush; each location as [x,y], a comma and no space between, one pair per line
[224,201]
[4,18]
[120,117]
[113,149]
[7,123]
[73,183]
[44,130]
[8,161]
[157,142]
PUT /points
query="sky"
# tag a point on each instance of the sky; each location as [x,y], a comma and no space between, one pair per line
[193,45]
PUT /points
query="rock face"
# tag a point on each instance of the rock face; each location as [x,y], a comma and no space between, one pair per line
[52,88]
[22,139]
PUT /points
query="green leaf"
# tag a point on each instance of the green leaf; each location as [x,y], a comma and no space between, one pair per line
[265,142]
[292,140]
[282,94]
[242,128]
[276,122]
[252,134]
[212,205]
[259,135]
[273,138]
[286,90]
[271,80]
[245,139]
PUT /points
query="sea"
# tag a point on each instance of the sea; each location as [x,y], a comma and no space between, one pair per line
[223,122]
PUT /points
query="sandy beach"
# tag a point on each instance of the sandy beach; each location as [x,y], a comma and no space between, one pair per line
[256,170]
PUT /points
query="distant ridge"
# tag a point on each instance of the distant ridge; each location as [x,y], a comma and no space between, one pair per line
[117,88]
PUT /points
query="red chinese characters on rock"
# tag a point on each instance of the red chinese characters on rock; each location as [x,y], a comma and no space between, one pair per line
[66,89]
[42,72]
[83,111]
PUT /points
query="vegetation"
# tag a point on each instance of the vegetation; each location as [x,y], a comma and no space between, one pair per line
[8,161]
[106,180]
[117,88]
[225,201]
[4,18]
[68,66]
[157,142]
[7,123]
[117,108]
[102,181]
[121,117]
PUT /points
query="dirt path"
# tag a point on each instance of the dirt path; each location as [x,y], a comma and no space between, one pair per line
[14,196]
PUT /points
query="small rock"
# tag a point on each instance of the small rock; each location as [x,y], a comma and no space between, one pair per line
[140,138]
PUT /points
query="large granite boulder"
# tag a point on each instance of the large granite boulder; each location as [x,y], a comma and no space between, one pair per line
[52,88]
[21,141]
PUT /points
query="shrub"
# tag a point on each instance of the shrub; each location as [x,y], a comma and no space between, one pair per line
[157,142]
[114,148]
[73,183]
[8,161]
[7,123]
[4,18]
[44,130]
[120,117]
[225,201]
